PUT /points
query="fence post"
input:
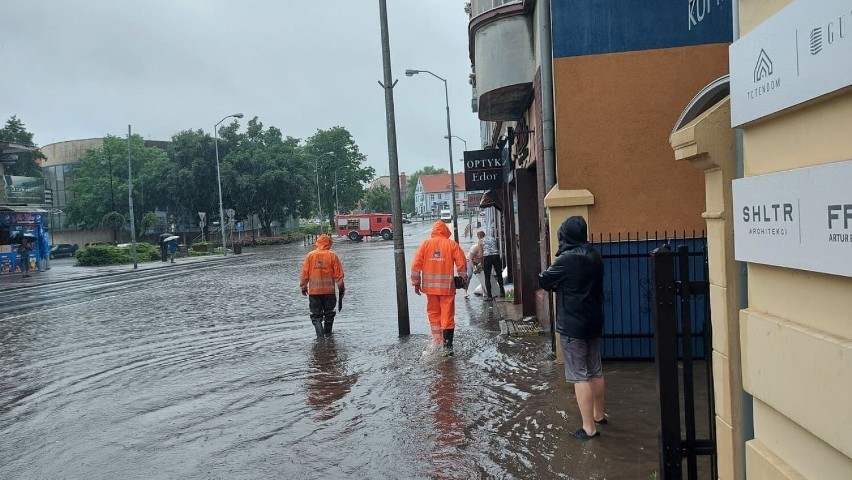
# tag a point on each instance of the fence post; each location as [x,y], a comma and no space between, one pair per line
[666,360]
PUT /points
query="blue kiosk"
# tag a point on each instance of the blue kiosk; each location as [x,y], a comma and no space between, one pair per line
[19,224]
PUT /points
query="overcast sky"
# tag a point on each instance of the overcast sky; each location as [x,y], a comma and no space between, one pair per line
[88,68]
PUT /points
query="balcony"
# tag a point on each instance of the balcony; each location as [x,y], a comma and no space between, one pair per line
[501,49]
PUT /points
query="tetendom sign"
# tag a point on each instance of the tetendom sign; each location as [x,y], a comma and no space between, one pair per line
[801,53]
[483,169]
[799,218]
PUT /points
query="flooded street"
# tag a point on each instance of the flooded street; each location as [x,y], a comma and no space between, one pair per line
[216,372]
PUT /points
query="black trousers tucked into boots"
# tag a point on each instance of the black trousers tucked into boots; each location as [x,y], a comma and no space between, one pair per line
[448,340]
[322,312]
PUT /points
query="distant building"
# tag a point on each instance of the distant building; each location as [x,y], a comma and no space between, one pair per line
[385,180]
[433,193]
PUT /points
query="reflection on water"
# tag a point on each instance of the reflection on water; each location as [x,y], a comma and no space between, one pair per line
[449,425]
[327,382]
[210,378]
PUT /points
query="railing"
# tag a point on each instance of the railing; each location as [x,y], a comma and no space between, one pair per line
[478,7]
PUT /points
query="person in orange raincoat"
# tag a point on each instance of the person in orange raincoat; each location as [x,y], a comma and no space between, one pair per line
[321,272]
[432,272]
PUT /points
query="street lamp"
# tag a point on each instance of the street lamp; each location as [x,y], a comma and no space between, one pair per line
[336,188]
[463,140]
[219,179]
[319,196]
[449,137]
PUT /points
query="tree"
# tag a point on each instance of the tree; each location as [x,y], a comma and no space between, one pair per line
[333,153]
[94,192]
[408,201]
[193,183]
[378,200]
[27,164]
[265,174]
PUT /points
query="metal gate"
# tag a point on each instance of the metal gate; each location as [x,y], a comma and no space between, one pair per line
[677,299]
[628,296]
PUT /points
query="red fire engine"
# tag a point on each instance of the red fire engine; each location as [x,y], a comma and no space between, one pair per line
[359,225]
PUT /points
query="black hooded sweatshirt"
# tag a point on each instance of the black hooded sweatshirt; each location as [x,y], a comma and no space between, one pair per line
[577,278]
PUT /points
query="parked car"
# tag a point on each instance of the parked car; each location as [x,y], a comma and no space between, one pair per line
[63,250]
[446,216]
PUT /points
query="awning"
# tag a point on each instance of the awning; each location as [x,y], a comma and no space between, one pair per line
[21,209]
[491,198]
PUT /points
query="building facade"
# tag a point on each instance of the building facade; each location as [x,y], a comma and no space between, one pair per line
[433,193]
[779,285]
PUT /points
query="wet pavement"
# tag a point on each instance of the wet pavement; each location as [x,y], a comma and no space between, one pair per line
[209,368]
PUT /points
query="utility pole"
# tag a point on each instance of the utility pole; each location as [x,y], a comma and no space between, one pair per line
[130,202]
[403,322]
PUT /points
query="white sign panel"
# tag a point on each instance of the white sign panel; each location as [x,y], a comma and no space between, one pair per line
[801,53]
[799,219]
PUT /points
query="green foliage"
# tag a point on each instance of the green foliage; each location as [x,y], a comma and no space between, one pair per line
[94,255]
[200,246]
[27,165]
[265,174]
[113,220]
[310,229]
[408,200]
[378,200]
[101,177]
[148,220]
[333,153]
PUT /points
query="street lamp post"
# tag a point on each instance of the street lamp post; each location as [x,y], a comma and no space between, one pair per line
[319,196]
[336,188]
[219,179]
[449,138]
[463,140]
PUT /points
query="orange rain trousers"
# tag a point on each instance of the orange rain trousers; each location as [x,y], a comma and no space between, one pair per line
[442,314]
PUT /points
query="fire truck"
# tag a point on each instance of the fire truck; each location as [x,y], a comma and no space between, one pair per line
[356,226]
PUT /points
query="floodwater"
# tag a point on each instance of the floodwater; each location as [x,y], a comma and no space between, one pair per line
[217,373]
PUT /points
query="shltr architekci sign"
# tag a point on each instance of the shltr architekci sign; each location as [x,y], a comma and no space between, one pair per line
[801,53]
[483,169]
[799,218]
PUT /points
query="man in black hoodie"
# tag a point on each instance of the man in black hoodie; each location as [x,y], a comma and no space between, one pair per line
[576,276]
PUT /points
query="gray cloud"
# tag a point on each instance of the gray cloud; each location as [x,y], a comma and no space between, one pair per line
[90,67]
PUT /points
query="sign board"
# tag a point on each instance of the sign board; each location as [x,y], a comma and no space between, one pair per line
[203,217]
[799,219]
[21,190]
[483,169]
[800,53]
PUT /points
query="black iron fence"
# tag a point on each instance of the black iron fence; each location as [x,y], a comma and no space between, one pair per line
[628,294]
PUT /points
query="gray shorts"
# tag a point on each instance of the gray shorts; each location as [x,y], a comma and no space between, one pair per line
[582,358]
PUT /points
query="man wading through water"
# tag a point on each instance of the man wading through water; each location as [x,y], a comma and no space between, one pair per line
[320,273]
[432,271]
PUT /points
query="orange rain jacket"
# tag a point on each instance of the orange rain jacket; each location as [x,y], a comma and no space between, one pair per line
[322,269]
[432,269]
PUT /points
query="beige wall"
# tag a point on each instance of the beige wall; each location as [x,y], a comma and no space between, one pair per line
[68,152]
[707,142]
[796,333]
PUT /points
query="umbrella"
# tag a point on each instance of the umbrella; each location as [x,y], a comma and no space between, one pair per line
[170,238]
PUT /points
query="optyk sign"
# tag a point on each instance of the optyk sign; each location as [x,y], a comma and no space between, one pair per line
[483,169]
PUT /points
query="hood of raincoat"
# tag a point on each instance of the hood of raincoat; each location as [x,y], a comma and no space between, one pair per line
[572,233]
[323,242]
[440,228]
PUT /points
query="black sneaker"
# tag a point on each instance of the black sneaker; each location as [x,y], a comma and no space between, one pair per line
[582,435]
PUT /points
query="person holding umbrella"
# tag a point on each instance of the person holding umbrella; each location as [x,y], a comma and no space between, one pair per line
[173,247]
[164,246]
[24,250]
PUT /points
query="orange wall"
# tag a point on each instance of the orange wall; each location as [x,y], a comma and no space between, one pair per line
[614,114]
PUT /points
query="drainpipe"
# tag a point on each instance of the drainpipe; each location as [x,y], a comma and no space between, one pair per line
[546,52]
[746,400]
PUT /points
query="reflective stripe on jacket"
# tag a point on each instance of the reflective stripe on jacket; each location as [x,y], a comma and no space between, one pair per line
[322,269]
[436,262]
